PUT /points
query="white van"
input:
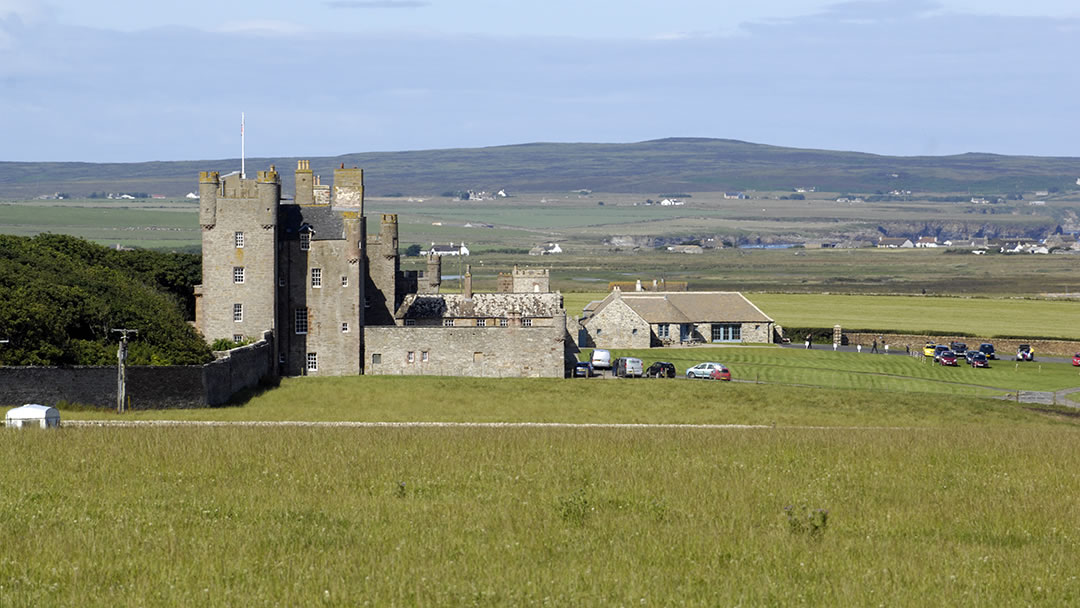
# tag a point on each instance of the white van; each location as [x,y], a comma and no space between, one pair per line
[601,359]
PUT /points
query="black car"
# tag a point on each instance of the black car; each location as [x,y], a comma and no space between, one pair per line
[958,347]
[987,349]
[660,369]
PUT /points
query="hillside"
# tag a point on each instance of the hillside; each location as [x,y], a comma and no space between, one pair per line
[650,167]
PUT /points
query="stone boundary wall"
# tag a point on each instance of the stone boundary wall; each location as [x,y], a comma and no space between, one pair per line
[148,387]
[1005,349]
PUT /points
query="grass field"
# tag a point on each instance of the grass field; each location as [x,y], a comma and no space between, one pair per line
[269,517]
[907,314]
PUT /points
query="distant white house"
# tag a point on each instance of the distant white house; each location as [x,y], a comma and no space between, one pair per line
[739,195]
[450,249]
[548,249]
[670,202]
[927,241]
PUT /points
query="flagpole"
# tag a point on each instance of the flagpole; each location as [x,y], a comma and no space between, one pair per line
[243,173]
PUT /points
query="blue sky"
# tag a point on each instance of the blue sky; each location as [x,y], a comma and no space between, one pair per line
[135,80]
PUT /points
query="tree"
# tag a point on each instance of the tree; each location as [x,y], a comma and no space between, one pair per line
[412,251]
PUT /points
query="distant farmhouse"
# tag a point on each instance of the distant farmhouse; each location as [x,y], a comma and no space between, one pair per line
[548,249]
[648,319]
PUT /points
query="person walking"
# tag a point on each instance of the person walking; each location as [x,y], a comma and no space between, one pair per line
[873,349]
[809,341]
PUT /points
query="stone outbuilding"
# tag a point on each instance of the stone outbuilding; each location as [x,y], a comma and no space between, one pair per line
[645,320]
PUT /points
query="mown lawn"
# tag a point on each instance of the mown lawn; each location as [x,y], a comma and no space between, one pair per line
[983,317]
[343,517]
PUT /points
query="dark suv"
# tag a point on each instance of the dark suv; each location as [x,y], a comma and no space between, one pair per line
[987,349]
[958,347]
[660,369]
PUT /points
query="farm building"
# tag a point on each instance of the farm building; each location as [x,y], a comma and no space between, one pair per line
[645,320]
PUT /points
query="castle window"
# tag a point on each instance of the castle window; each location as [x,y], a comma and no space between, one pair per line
[238,274]
[238,312]
[410,357]
[313,362]
[448,322]
[344,281]
[300,320]
[526,322]
[344,328]
[281,280]
[305,240]
[316,278]
[423,356]
[504,322]
[481,322]
[367,301]
[281,358]
[410,322]
[238,338]
[238,239]
[376,358]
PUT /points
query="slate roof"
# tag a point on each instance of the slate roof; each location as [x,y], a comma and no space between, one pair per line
[692,307]
[326,222]
[480,306]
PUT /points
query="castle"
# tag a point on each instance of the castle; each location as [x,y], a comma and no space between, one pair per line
[338,303]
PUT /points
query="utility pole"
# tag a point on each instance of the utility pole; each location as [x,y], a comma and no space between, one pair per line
[121,368]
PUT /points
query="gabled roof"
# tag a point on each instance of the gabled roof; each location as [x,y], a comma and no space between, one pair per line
[480,306]
[690,307]
[326,224]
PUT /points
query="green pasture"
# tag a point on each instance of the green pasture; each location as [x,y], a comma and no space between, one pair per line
[980,317]
[145,225]
[397,516]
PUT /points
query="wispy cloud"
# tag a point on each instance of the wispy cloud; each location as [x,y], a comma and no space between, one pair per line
[376,3]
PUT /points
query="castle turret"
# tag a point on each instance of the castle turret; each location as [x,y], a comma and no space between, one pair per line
[209,183]
[269,193]
[305,184]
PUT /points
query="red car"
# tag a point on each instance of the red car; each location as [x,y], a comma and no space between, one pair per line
[721,373]
[979,360]
[947,358]
[1076,360]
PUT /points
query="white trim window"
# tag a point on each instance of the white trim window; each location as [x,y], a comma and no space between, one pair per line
[313,362]
[448,323]
[481,322]
[344,328]
[423,356]
[238,313]
[504,322]
[410,357]
[344,281]
[237,338]
[238,240]
[316,278]
[305,240]
[526,322]
[300,320]
[238,275]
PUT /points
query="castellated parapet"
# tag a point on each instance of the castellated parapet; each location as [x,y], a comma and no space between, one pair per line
[524,280]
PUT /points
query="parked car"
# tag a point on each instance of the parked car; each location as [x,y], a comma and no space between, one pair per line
[584,369]
[969,355]
[629,367]
[660,369]
[940,348]
[958,347]
[947,358]
[703,370]
[1076,360]
[601,359]
[1024,352]
[721,373]
[987,349]
[979,360]
[928,349]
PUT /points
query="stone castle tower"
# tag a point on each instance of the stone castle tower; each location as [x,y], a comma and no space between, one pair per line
[296,267]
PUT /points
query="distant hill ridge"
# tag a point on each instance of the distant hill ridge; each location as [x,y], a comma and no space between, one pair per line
[678,164]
